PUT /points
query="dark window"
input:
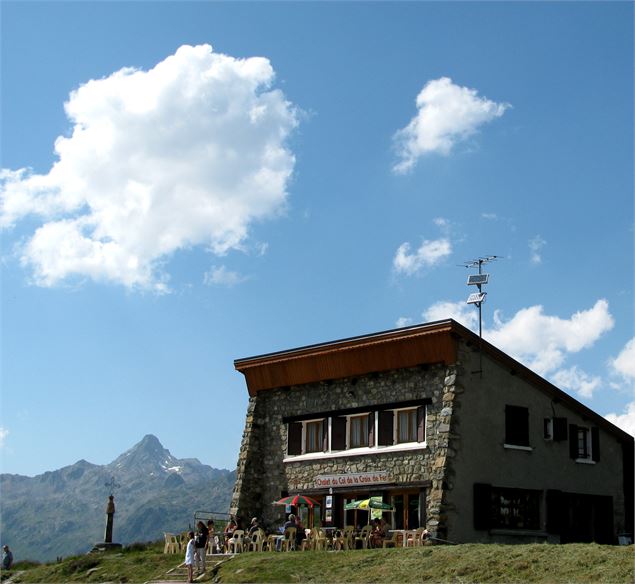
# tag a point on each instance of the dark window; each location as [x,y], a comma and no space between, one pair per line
[584,443]
[516,426]
[515,508]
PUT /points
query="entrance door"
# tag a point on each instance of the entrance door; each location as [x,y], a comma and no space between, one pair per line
[407,513]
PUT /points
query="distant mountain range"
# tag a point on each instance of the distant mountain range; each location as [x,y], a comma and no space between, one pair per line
[63,512]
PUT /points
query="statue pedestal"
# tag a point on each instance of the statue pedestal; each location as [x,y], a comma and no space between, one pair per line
[106,547]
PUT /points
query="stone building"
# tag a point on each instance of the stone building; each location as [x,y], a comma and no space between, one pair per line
[455,434]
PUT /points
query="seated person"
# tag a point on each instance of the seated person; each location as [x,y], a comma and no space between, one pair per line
[229,531]
[377,534]
[300,534]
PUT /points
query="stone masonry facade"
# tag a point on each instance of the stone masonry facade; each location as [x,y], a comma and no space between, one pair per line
[262,475]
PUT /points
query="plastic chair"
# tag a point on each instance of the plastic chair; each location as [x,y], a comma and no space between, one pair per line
[288,541]
[364,536]
[236,544]
[394,540]
[415,538]
[171,543]
[257,541]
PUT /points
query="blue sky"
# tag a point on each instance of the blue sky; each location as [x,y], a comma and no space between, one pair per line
[185,184]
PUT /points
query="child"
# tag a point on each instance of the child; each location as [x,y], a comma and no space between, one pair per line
[189,556]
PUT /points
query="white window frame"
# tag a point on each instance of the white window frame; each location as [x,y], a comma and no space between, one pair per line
[395,424]
[305,423]
[588,459]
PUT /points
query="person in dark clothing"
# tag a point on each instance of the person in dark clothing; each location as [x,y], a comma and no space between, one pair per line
[202,533]
[7,558]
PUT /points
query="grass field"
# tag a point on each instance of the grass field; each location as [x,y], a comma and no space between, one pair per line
[467,563]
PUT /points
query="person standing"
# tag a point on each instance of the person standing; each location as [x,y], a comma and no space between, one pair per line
[201,545]
[7,558]
[190,552]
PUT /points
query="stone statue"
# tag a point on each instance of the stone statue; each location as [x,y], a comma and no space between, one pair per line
[110,512]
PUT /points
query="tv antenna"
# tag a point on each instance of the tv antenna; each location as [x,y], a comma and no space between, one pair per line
[477,298]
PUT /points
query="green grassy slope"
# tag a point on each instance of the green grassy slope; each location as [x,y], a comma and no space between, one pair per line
[574,563]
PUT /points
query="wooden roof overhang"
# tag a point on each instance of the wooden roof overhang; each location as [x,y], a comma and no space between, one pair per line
[396,349]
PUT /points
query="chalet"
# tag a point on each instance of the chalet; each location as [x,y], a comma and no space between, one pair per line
[455,434]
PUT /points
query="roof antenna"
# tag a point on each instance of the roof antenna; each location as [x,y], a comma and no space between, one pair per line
[477,298]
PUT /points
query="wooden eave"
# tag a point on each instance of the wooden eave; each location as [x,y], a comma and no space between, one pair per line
[396,349]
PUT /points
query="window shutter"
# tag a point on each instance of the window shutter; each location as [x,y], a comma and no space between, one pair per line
[338,434]
[371,429]
[421,424]
[294,440]
[595,444]
[325,434]
[559,428]
[386,421]
[554,511]
[516,425]
[573,441]
[482,505]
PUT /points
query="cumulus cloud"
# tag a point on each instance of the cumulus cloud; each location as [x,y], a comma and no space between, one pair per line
[574,379]
[459,311]
[624,363]
[447,114]
[541,341]
[625,421]
[428,254]
[535,247]
[189,153]
[221,276]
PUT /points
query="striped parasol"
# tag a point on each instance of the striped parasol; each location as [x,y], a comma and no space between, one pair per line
[297,501]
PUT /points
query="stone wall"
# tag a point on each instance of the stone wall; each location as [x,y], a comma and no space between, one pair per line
[262,475]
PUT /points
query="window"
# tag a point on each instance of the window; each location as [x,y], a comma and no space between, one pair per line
[406,426]
[306,437]
[358,431]
[398,426]
[516,426]
[314,441]
[584,443]
[505,508]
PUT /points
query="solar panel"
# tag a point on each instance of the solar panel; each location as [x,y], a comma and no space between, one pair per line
[477,279]
[476,298]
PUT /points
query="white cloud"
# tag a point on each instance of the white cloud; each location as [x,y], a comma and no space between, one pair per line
[429,254]
[221,276]
[403,321]
[3,435]
[535,246]
[574,379]
[541,341]
[447,114]
[459,311]
[625,421]
[188,153]
[624,363]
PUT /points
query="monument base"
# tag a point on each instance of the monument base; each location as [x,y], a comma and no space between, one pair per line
[106,547]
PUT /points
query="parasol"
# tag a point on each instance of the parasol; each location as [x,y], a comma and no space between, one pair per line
[297,501]
[366,504]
